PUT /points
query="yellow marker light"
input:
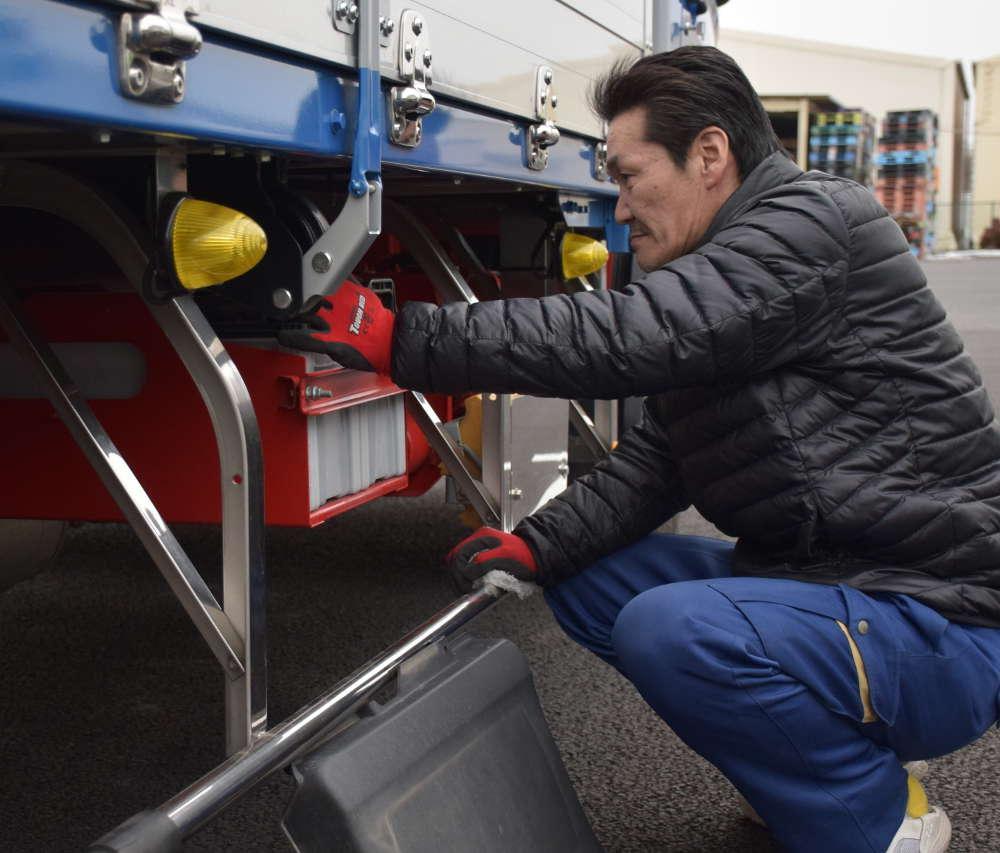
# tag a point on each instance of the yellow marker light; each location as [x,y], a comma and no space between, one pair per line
[582,255]
[210,244]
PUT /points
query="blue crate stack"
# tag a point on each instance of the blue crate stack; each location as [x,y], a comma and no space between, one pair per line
[842,143]
[908,175]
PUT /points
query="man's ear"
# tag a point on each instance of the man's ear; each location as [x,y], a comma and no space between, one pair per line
[712,154]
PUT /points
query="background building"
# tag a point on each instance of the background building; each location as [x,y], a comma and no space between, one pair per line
[878,81]
[986,173]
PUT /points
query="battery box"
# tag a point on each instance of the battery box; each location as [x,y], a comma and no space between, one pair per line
[331,438]
[460,759]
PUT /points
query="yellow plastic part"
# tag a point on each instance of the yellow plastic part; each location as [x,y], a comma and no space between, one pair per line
[582,255]
[916,801]
[212,244]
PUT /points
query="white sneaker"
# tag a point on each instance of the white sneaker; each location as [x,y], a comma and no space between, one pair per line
[928,834]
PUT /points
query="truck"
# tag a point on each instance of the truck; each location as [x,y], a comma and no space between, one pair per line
[180,180]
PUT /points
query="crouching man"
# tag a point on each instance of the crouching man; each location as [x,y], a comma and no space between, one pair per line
[808,395]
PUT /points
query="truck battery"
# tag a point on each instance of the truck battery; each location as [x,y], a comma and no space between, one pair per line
[459,759]
[332,438]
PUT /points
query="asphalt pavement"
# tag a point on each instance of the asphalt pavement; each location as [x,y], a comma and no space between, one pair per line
[110,703]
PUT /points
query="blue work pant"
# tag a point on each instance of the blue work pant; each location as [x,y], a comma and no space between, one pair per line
[806,696]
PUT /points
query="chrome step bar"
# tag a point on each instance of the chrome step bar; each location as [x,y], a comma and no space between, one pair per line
[164,828]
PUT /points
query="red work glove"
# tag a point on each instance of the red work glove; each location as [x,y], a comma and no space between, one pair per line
[353,327]
[488,549]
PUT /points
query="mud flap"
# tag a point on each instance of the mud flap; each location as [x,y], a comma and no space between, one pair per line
[459,759]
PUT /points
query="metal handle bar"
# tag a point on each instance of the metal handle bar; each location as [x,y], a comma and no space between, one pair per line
[161,830]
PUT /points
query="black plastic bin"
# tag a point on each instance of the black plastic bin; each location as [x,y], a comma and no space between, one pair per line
[459,760]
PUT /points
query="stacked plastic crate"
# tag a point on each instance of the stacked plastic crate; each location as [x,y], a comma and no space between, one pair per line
[907,174]
[842,144]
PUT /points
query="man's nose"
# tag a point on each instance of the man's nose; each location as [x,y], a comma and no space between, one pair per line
[622,213]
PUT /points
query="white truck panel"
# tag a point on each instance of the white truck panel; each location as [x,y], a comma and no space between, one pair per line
[483,53]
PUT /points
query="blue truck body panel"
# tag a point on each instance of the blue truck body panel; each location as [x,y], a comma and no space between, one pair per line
[58,61]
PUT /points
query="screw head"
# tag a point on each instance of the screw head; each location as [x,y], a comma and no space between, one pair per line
[408,51]
[321,262]
[547,76]
[352,13]
[428,56]
[178,84]
[555,102]
[387,25]
[137,78]
[342,8]
[281,298]
[418,26]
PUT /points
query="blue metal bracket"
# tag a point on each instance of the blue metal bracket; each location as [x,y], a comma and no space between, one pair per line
[597,213]
[615,234]
[366,164]
[695,7]
[337,251]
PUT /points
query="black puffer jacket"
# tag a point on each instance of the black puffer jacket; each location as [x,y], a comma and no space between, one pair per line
[808,396]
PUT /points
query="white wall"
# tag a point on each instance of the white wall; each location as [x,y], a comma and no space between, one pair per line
[986,173]
[872,80]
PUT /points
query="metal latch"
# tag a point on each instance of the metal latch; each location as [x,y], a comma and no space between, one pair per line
[600,161]
[688,24]
[599,164]
[542,136]
[408,104]
[152,49]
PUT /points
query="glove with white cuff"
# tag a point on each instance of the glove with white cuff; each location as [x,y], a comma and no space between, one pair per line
[493,558]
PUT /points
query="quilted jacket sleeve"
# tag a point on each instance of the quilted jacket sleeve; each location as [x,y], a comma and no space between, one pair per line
[764,290]
[629,493]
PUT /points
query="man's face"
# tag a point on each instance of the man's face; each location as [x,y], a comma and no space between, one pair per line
[667,209]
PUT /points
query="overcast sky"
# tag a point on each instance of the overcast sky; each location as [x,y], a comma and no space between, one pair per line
[960,29]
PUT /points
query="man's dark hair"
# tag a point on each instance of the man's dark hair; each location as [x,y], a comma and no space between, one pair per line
[684,91]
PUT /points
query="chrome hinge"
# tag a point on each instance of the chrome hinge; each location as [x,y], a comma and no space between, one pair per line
[347,12]
[152,49]
[345,16]
[542,136]
[409,103]
[600,161]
